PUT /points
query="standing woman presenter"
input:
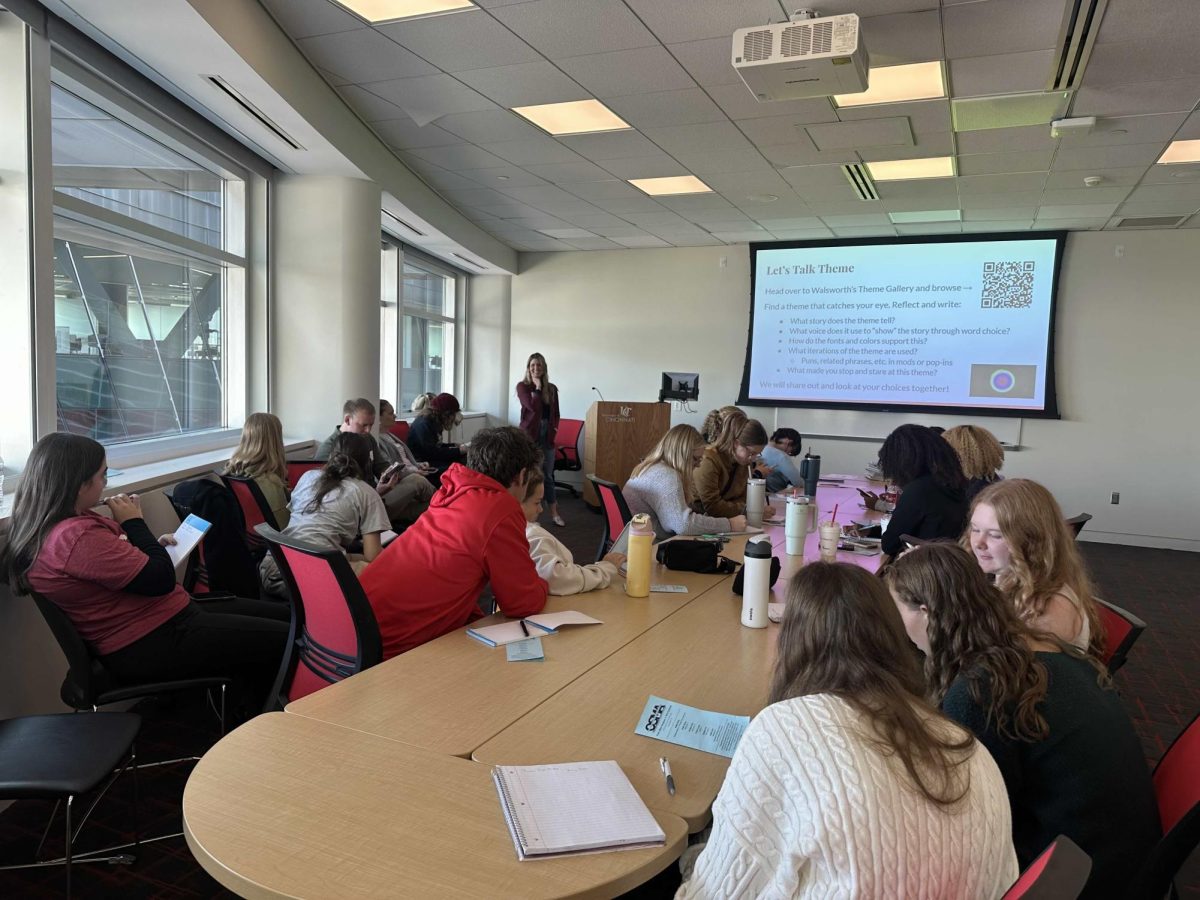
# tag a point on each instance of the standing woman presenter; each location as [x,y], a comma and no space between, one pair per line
[539,420]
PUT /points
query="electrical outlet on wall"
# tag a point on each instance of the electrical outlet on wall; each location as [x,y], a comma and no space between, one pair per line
[1115,497]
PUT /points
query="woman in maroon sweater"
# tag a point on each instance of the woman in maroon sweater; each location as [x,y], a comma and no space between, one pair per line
[539,420]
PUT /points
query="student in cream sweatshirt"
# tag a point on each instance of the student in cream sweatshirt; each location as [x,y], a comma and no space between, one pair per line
[554,562]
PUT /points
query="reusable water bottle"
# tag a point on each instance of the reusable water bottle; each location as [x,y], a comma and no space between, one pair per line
[756,583]
[637,564]
[756,501]
[810,471]
[801,521]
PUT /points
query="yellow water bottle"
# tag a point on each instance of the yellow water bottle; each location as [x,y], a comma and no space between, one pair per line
[637,565]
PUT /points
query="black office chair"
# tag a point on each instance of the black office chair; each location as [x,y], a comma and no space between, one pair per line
[62,757]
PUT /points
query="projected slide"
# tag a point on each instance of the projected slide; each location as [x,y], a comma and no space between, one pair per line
[961,324]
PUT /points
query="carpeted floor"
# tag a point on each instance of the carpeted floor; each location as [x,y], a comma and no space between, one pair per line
[1160,685]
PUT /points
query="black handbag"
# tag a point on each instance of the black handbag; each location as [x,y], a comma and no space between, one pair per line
[694,556]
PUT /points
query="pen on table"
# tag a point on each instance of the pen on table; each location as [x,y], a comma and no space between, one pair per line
[665,765]
[524,627]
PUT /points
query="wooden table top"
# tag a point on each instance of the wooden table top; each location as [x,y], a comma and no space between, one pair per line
[287,806]
[701,656]
[454,693]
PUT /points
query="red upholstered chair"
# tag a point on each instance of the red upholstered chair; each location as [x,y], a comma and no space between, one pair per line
[334,633]
[566,451]
[1177,787]
[255,509]
[1060,873]
[400,430]
[297,467]
[615,509]
[1121,629]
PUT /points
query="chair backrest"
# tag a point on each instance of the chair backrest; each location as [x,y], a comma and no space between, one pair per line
[297,467]
[615,509]
[86,678]
[334,633]
[1121,629]
[1060,873]
[1177,789]
[255,508]
[566,445]
[1076,523]
[400,430]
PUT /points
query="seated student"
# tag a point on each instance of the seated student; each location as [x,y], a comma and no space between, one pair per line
[714,420]
[931,482]
[784,444]
[259,455]
[334,505]
[661,486]
[438,415]
[980,455]
[394,450]
[1070,758]
[428,581]
[720,479]
[407,495]
[1018,535]
[850,784]
[116,583]
[555,564]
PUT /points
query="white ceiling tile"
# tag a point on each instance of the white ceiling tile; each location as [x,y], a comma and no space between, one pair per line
[593,243]
[1061,181]
[617,231]
[846,208]
[598,191]
[728,219]
[1162,57]
[925,116]
[545,197]
[706,162]
[993,215]
[927,189]
[775,131]
[572,172]
[802,234]
[658,108]
[996,227]
[1070,159]
[363,56]
[486,125]
[707,136]
[1128,130]
[562,28]
[502,176]
[901,38]
[861,219]
[534,151]
[444,180]
[478,198]
[1158,208]
[1177,95]
[685,204]
[1005,163]
[622,207]
[646,240]
[739,103]
[915,204]
[658,218]
[1191,128]
[1129,19]
[538,222]
[471,39]
[804,177]
[332,78]
[786,207]
[1009,73]
[371,107]
[993,184]
[429,97]
[1068,224]
[784,155]
[1084,196]
[769,182]
[610,145]
[865,231]
[675,21]
[890,132]
[1002,26]
[624,72]
[306,18]
[527,84]
[793,224]
[1077,211]
[545,244]
[927,145]
[1004,140]
[1182,191]
[742,235]
[875,7]
[931,228]
[707,61]
[406,134]
[674,234]
[458,156]
[1172,174]
[999,200]
[566,233]
[706,240]
[594,220]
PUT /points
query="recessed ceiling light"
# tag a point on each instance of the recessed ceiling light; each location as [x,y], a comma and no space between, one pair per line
[377,11]
[1181,152]
[895,84]
[676,184]
[926,215]
[573,117]
[912,169]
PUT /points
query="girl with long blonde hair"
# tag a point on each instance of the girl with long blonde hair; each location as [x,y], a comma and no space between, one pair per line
[260,455]
[720,478]
[1018,535]
[661,485]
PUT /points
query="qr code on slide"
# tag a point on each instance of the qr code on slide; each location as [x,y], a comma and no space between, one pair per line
[1007,285]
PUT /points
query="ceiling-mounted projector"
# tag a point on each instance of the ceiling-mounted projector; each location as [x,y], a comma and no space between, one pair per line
[801,59]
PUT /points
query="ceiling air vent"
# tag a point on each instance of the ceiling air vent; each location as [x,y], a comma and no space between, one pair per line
[396,218]
[223,86]
[860,180]
[1081,23]
[756,45]
[1152,222]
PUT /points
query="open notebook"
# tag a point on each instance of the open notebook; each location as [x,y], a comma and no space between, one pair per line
[575,807]
[542,623]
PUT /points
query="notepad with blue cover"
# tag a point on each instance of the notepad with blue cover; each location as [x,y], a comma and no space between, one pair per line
[542,623]
[577,807]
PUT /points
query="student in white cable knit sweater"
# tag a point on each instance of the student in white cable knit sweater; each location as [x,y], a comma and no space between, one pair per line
[850,785]
[555,564]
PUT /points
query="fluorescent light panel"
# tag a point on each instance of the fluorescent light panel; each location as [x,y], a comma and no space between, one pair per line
[896,84]
[1181,152]
[376,11]
[912,169]
[676,184]
[926,215]
[573,117]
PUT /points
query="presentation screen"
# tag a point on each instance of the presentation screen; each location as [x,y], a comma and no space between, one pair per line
[961,325]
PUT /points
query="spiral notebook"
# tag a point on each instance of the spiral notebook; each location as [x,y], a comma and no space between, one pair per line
[577,807]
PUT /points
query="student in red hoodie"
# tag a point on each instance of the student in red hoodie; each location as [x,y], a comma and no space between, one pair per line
[428,581]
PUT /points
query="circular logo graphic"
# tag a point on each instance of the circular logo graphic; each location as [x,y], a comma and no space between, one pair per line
[1002,381]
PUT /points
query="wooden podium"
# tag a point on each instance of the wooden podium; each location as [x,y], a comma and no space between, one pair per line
[617,435]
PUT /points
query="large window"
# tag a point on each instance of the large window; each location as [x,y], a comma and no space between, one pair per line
[148,265]
[419,307]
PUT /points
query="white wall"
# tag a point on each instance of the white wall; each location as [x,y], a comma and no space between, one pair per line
[489,308]
[1128,365]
